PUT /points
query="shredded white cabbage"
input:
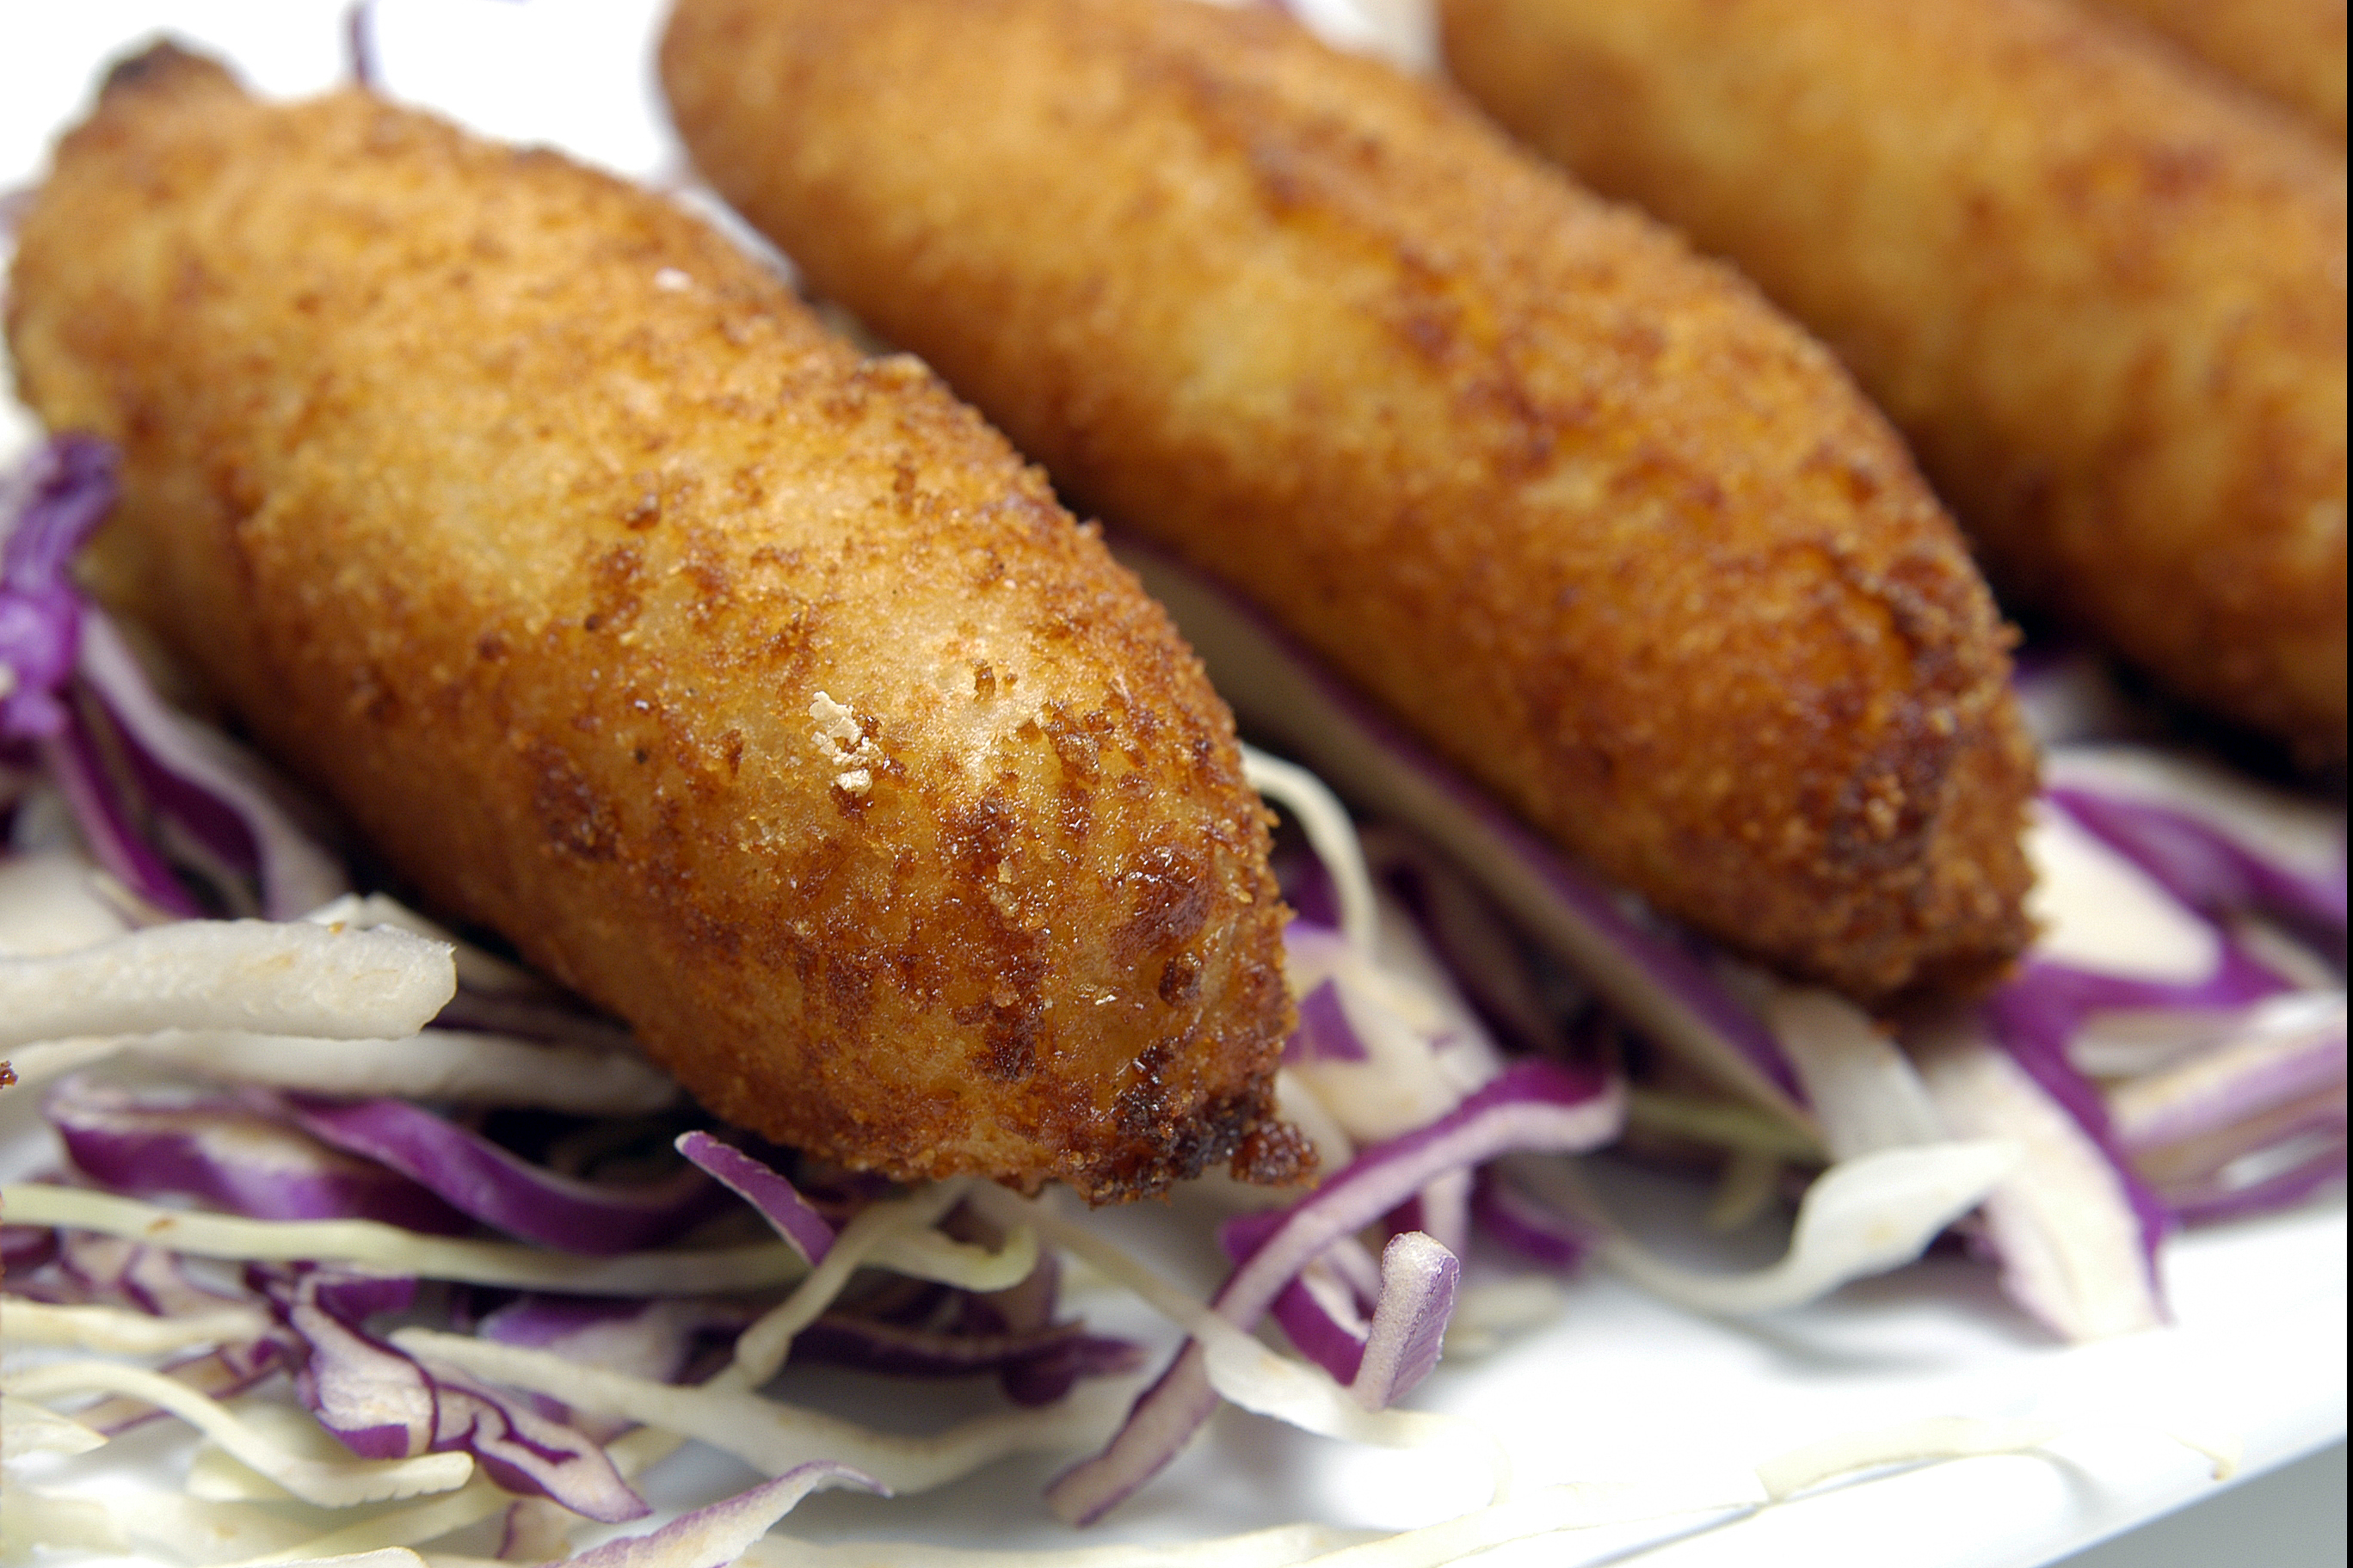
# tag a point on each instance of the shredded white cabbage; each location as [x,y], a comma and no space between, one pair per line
[274,977]
[114,1331]
[329,1485]
[773,1436]
[1861,1216]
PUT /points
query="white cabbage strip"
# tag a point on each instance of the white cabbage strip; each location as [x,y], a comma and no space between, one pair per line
[477,969]
[1326,822]
[113,1331]
[415,1525]
[458,1065]
[761,1350]
[924,1255]
[1244,1372]
[27,1427]
[1864,1090]
[394,1251]
[328,1485]
[2071,1247]
[31,1517]
[1861,1216]
[774,1438]
[274,978]
[1285,1546]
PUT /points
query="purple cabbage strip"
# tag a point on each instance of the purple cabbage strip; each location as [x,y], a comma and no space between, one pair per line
[894,1350]
[1380,1358]
[2293,1185]
[649,1338]
[2200,1171]
[1651,981]
[68,490]
[477,1177]
[232,1153]
[1482,956]
[656,1340]
[71,491]
[1535,1231]
[25,1247]
[717,1535]
[49,635]
[2279,1075]
[231,814]
[1440,1210]
[1324,1322]
[89,1267]
[222,1373]
[384,1405]
[1419,1281]
[1047,1377]
[2037,1016]
[1028,1307]
[1015,1309]
[528,1452]
[551,1020]
[1535,1106]
[72,763]
[1324,1034]
[778,1201]
[2204,867]
[1308,889]
[2033,1019]
[359,45]
[373,1398]
[147,1279]
[370,1395]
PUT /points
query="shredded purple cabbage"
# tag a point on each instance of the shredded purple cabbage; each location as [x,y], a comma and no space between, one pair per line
[2205,868]
[478,1178]
[1650,980]
[240,1154]
[778,1201]
[1535,1106]
[384,1405]
[1324,1034]
[71,491]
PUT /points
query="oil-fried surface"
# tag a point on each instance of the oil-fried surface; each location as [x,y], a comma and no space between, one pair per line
[530,520]
[2104,297]
[1583,511]
[2292,50]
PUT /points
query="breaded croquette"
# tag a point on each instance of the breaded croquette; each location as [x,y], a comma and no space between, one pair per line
[757,691]
[2104,297]
[1609,533]
[2292,50]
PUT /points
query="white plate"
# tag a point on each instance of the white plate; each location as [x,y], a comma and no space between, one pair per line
[1619,1386]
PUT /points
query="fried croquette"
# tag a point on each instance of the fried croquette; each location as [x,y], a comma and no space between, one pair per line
[2290,50]
[757,691]
[1578,507]
[2103,297]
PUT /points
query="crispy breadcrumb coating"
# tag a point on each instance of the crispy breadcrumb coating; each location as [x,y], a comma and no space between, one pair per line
[759,692]
[1580,509]
[2104,296]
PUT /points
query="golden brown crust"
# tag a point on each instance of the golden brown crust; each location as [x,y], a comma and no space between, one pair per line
[2290,50]
[2104,300]
[524,515]
[1593,519]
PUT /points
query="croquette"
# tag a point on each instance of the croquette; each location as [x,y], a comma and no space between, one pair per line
[754,689]
[1575,505]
